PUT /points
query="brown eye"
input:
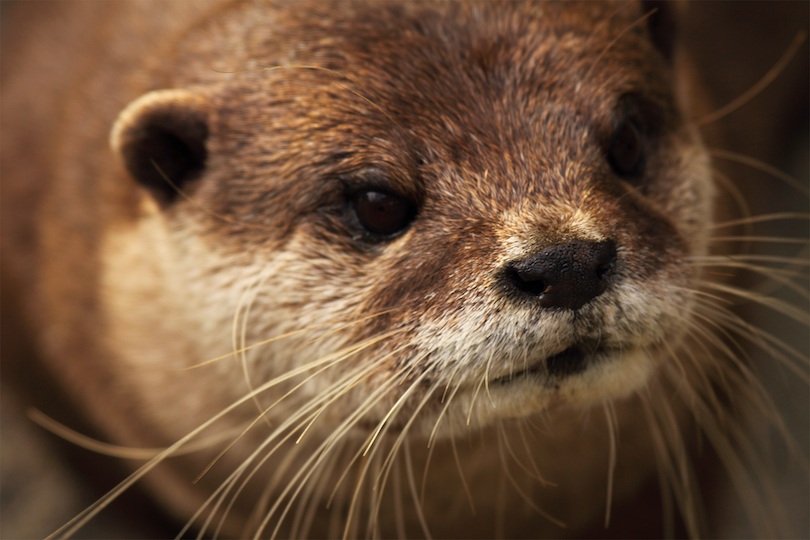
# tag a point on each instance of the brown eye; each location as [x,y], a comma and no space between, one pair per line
[382,214]
[626,152]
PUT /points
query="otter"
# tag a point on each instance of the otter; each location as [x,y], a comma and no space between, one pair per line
[381,269]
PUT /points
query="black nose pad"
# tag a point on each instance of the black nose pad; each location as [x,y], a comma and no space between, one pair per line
[566,275]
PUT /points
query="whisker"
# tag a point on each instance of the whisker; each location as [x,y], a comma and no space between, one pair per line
[240,347]
[775,304]
[777,275]
[461,471]
[221,492]
[763,239]
[756,258]
[420,514]
[290,392]
[781,216]
[749,332]
[666,469]
[736,193]
[281,337]
[380,481]
[683,477]
[124,452]
[382,426]
[761,166]
[527,447]
[758,87]
[530,473]
[318,456]
[528,500]
[610,418]
[399,516]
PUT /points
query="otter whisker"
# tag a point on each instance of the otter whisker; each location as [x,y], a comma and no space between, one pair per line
[318,496]
[379,362]
[399,515]
[778,276]
[761,166]
[763,338]
[114,450]
[308,467]
[240,347]
[339,389]
[281,337]
[336,390]
[382,426]
[349,324]
[529,473]
[527,447]
[758,87]
[367,405]
[475,396]
[517,488]
[612,423]
[736,193]
[775,304]
[668,480]
[405,395]
[264,412]
[420,514]
[461,470]
[726,322]
[261,507]
[742,381]
[731,460]
[308,497]
[225,487]
[77,522]
[780,216]
[392,453]
[793,261]
[683,477]
[430,449]
[443,411]
[381,478]
[763,239]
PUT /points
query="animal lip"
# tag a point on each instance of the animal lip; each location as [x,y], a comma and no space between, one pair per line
[573,360]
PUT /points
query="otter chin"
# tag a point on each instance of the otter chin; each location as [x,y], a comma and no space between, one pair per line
[376,269]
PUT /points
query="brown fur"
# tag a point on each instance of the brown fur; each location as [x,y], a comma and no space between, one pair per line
[494,119]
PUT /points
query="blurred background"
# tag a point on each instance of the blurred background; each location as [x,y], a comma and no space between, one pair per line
[734,44]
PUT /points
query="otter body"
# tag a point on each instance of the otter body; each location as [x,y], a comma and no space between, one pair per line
[374,269]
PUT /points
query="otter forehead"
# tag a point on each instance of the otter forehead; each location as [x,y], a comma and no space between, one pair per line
[513,108]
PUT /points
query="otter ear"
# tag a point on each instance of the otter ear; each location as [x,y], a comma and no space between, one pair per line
[161,138]
[662,25]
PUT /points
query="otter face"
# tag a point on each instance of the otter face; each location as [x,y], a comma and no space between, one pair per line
[511,212]
[405,232]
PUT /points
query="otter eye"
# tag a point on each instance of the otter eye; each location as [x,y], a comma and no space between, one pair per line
[382,214]
[626,151]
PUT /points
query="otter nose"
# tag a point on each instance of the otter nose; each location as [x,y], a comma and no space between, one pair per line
[566,275]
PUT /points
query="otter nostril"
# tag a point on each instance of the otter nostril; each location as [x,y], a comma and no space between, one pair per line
[526,281]
[605,259]
[566,275]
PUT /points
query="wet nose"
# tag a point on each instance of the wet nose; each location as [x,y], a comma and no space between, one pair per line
[566,275]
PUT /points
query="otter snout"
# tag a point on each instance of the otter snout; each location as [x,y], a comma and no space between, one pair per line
[565,275]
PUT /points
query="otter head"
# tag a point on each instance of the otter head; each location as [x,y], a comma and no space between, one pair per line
[428,217]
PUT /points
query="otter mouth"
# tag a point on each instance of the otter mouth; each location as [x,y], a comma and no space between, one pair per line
[571,361]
